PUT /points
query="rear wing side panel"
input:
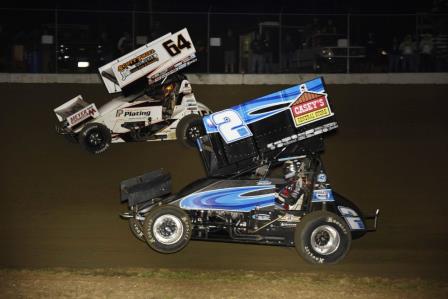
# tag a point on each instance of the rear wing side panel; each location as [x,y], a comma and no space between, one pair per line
[76,111]
[155,60]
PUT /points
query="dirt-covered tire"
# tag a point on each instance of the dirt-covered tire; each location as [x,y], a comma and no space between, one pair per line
[322,238]
[136,228]
[189,128]
[167,229]
[95,138]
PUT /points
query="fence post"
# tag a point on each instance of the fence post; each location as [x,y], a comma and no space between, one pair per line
[208,39]
[133,28]
[348,43]
[280,56]
[56,41]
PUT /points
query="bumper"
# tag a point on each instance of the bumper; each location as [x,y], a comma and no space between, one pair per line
[68,134]
[61,129]
[372,221]
[130,214]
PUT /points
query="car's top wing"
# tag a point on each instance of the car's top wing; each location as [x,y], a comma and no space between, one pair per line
[155,60]
[259,127]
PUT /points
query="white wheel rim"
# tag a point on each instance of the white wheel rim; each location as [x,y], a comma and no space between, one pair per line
[168,229]
[325,239]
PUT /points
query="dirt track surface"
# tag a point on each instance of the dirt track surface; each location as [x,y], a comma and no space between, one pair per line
[163,283]
[60,205]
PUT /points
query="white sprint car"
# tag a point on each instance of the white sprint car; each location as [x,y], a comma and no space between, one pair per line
[154,103]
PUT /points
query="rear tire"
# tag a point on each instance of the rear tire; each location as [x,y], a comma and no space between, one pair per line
[167,229]
[95,138]
[189,128]
[322,238]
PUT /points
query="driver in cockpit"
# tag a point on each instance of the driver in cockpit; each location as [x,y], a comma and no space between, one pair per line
[290,194]
[167,93]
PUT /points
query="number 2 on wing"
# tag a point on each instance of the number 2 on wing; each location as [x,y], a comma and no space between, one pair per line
[174,49]
[230,125]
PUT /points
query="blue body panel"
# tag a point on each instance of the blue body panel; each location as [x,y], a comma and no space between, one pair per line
[236,199]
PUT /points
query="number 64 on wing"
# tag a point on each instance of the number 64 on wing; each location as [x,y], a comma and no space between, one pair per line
[155,60]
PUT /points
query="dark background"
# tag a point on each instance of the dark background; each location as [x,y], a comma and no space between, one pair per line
[77,28]
[234,5]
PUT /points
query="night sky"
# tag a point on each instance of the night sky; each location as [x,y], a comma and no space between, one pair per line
[299,6]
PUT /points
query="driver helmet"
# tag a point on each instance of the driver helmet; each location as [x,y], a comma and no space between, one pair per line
[165,90]
[289,170]
[168,88]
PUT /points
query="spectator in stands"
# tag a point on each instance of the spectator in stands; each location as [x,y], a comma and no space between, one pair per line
[124,44]
[33,46]
[18,52]
[288,50]
[47,51]
[329,28]
[156,31]
[105,51]
[407,49]
[311,30]
[230,47]
[256,58]
[3,49]
[201,53]
[426,56]
[441,52]
[371,51]
[394,56]
[268,49]
[316,29]
[439,6]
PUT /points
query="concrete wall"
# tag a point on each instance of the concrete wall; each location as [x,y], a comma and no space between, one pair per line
[248,79]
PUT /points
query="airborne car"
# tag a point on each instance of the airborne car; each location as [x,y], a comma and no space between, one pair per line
[154,103]
[265,183]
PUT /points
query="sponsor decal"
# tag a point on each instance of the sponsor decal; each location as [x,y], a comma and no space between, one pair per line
[314,257]
[352,218]
[264,182]
[309,107]
[301,136]
[172,69]
[322,177]
[127,113]
[261,217]
[82,115]
[322,195]
[288,224]
[137,63]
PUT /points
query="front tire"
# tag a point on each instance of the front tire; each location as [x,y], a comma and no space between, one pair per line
[95,138]
[167,229]
[189,128]
[322,238]
[136,228]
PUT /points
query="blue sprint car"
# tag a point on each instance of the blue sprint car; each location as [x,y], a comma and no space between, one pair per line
[265,183]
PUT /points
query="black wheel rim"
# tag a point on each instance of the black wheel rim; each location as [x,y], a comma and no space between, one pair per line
[95,140]
[194,132]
